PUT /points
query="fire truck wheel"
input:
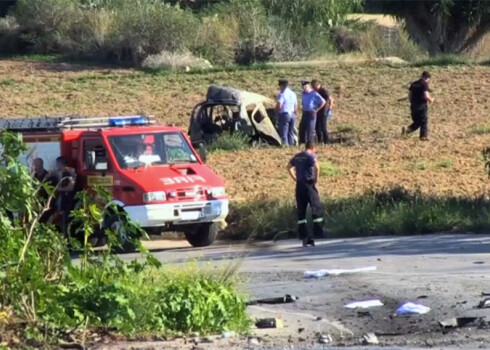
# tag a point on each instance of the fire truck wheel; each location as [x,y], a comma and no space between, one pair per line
[202,235]
[114,223]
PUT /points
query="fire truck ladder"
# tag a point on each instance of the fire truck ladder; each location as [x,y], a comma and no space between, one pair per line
[73,122]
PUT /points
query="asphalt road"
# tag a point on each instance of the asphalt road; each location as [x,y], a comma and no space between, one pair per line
[447,273]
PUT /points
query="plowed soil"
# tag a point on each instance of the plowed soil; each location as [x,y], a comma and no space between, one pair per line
[369,97]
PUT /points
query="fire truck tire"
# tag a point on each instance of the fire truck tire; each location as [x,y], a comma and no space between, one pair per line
[202,235]
[126,245]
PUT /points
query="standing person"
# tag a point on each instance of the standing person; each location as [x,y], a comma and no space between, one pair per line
[303,168]
[324,113]
[286,108]
[39,173]
[66,187]
[312,102]
[419,96]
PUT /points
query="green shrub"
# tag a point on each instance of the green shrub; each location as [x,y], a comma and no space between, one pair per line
[46,297]
[118,30]
[230,142]
[329,169]
[444,163]
[481,129]
[378,41]
[392,211]
[347,128]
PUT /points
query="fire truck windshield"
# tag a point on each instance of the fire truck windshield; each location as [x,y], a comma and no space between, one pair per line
[137,150]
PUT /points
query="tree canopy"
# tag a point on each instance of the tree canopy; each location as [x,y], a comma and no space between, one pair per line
[439,26]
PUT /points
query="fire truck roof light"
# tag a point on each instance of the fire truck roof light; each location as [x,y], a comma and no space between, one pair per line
[128,121]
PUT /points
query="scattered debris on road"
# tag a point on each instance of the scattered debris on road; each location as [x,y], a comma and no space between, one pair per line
[456,322]
[269,323]
[336,272]
[253,341]
[226,335]
[369,339]
[412,309]
[324,338]
[484,304]
[280,300]
[364,304]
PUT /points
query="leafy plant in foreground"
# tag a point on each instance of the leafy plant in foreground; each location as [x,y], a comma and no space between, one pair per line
[45,295]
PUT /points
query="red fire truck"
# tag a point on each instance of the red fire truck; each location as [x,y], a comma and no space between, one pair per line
[155,174]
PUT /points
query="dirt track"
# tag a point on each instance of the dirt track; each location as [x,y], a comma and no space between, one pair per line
[448,273]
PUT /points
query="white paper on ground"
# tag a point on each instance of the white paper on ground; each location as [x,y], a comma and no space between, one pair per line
[364,304]
[412,309]
[336,272]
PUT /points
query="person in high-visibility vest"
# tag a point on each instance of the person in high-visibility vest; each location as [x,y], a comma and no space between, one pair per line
[304,169]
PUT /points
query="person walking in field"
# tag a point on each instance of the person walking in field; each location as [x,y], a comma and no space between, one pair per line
[324,114]
[305,171]
[419,97]
[312,102]
[286,108]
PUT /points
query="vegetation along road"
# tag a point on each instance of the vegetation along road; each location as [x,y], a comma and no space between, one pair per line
[447,273]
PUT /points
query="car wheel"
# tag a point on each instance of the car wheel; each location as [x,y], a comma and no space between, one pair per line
[202,235]
[115,224]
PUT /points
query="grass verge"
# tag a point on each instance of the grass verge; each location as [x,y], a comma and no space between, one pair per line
[393,211]
[444,60]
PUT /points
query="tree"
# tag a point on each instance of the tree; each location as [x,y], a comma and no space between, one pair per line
[5,6]
[439,26]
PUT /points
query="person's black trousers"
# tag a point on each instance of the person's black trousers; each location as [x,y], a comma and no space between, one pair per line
[307,127]
[306,193]
[420,118]
[321,127]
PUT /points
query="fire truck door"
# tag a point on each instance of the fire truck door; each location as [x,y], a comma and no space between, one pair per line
[95,167]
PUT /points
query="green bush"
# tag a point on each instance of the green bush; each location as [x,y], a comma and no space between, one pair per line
[44,296]
[117,30]
[230,142]
[392,211]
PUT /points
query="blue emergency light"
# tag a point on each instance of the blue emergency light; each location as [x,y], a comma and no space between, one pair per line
[136,120]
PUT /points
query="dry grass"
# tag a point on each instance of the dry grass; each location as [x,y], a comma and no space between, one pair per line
[368,96]
[175,60]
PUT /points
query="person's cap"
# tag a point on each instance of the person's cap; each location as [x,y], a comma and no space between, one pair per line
[283,82]
[304,82]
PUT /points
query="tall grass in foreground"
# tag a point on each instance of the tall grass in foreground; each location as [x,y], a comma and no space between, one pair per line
[391,212]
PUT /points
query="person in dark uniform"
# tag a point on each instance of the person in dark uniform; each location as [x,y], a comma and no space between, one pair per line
[419,97]
[312,102]
[66,192]
[304,169]
[323,114]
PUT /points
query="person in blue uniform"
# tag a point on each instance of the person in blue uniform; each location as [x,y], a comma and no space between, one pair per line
[303,168]
[286,108]
[312,102]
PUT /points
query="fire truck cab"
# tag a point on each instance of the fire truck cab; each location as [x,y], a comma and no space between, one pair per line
[154,173]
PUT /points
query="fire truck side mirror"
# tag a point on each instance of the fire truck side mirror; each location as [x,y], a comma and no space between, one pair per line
[202,152]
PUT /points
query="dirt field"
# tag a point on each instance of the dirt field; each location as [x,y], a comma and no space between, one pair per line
[367,98]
